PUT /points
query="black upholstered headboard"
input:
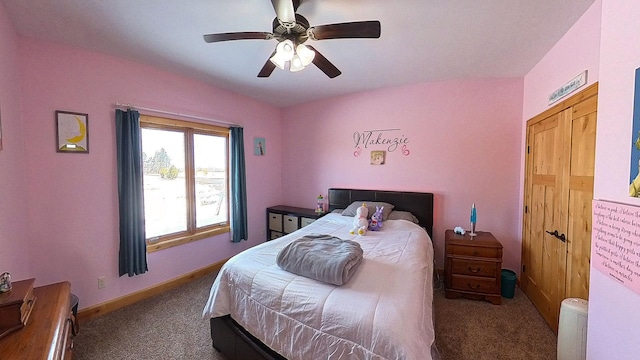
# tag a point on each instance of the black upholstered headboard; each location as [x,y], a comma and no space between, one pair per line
[419,204]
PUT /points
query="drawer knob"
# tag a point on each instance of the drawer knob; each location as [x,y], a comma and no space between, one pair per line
[474,287]
[475,252]
[474,270]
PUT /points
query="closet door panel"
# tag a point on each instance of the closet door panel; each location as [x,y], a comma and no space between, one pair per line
[542,258]
[581,170]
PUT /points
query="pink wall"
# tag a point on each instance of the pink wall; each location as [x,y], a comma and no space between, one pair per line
[602,42]
[464,143]
[14,256]
[73,216]
[578,50]
[614,310]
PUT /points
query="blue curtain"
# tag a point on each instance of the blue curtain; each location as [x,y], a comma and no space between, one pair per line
[132,259]
[239,230]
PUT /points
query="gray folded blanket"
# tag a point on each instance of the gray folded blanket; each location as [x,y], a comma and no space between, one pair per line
[321,257]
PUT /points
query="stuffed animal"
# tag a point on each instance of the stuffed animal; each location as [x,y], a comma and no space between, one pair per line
[375,224]
[360,223]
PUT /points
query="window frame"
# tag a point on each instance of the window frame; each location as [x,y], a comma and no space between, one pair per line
[192,233]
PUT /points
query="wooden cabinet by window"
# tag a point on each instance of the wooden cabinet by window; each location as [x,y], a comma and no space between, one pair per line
[473,266]
[47,334]
[282,220]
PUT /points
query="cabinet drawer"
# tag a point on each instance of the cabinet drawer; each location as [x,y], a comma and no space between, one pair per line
[275,222]
[290,223]
[474,268]
[474,284]
[305,221]
[475,251]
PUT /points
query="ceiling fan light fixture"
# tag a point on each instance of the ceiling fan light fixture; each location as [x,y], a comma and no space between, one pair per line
[296,63]
[285,50]
[306,55]
[278,61]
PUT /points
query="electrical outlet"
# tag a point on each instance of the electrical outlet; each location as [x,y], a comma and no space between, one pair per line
[101,282]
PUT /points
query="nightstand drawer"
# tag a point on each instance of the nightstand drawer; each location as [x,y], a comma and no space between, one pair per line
[275,222]
[474,268]
[476,251]
[476,284]
[290,223]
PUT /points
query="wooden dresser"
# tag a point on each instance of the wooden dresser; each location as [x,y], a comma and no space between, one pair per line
[473,266]
[47,334]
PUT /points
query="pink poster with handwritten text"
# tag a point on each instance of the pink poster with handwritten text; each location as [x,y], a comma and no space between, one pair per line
[615,242]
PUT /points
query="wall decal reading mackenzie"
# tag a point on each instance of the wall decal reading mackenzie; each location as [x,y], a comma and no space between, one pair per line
[615,242]
[383,137]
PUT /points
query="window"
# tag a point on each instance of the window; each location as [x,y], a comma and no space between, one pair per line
[185,176]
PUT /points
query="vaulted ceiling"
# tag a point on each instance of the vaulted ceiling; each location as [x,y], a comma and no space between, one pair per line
[421,40]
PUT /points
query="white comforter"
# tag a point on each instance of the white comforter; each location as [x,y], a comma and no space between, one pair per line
[383,312]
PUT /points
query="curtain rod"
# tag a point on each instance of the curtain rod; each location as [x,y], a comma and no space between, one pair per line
[131,106]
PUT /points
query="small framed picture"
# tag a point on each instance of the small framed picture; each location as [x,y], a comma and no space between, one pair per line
[377,158]
[72,132]
[259,146]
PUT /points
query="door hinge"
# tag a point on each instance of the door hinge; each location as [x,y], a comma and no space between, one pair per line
[522,267]
[526,209]
[528,149]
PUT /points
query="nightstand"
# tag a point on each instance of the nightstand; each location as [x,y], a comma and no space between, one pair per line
[282,220]
[472,266]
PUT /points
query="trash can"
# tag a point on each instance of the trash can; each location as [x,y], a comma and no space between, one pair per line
[508,286]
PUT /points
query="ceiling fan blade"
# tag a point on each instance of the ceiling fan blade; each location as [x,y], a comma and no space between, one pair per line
[358,29]
[268,68]
[324,64]
[285,10]
[249,35]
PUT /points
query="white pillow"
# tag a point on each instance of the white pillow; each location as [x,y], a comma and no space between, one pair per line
[371,206]
[403,215]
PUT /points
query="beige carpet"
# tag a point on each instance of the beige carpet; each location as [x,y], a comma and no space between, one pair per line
[169,326]
[475,330]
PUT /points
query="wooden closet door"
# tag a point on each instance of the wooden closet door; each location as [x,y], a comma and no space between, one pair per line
[558,195]
[579,171]
[543,253]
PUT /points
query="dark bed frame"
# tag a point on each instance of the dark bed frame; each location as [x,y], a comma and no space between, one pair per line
[236,343]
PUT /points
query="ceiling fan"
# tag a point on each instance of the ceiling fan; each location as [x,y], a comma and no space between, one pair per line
[292,30]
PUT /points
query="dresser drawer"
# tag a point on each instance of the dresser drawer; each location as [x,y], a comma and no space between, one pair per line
[290,223]
[304,221]
[275,222]
[475,284]
[475,251]
[474,268]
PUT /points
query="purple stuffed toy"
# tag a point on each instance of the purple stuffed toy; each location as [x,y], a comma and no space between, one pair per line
[375,224]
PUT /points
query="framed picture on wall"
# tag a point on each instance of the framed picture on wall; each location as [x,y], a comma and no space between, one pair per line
[259,146]
[377,157]
[72,132]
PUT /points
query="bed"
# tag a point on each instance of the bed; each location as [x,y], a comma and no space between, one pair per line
[259,311]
